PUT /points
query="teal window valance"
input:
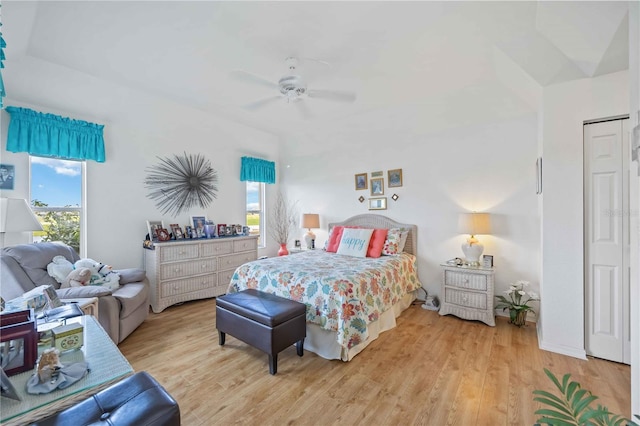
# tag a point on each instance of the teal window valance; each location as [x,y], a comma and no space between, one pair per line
[257,170]
[48,135]
[3,44]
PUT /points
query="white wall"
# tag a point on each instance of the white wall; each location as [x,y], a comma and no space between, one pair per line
[480,156]
[565,107]
[138,127]
[634,83]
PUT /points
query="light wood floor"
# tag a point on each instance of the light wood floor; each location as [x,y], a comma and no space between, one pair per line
[429,370]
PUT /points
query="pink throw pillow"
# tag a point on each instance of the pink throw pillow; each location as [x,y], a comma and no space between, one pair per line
[377,242]
[334,239]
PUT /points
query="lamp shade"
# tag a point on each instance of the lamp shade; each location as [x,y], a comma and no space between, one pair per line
[310,220]
[474,223]
[17,216]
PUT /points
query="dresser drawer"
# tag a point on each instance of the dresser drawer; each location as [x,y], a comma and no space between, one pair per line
[179,252]
[245,245]
[465,280]
[465,298]
[189,285]
[224,277]
[184,269]
[217,248]
[235,260]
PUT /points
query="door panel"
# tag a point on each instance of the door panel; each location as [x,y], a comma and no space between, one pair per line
[606,239]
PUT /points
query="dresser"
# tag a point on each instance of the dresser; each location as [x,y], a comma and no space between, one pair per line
[468,293]
[179,271]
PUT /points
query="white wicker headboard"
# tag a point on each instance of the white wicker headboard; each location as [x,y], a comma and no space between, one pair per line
[379,221]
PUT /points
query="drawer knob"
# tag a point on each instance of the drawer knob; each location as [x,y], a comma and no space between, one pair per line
[217,248]
[182,252]
[203,266]
[176,270]
[465,281]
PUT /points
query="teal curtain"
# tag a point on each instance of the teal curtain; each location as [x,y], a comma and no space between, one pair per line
[48,135]
[257,170]
[3,44]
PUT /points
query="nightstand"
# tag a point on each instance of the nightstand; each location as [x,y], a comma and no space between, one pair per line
[296,250]
[468,293]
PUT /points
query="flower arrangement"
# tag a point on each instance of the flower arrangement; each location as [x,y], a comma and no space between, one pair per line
[517,301]
[283,219]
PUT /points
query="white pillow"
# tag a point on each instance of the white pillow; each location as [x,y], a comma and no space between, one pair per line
[355,242]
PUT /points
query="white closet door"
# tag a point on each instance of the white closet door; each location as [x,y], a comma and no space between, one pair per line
[606,173]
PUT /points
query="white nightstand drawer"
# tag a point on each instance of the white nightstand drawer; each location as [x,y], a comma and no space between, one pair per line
[466,298]
[465,280]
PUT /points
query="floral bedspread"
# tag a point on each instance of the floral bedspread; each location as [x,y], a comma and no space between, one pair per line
[342,293]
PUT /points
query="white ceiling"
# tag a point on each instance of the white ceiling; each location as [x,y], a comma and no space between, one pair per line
[392,54]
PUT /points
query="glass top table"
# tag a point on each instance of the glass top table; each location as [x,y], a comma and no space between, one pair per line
[107,365]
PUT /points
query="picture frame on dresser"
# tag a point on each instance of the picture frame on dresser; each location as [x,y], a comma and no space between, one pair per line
[152,228]
[487,261]
[198,223]
[176,230]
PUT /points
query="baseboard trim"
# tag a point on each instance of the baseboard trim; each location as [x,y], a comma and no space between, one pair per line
[560,349]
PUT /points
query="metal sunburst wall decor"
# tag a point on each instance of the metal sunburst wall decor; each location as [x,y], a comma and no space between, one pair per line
[182,182]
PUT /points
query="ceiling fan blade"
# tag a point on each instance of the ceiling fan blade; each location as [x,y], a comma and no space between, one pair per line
[303,108]
[332,95]
[261,103]
[253,78]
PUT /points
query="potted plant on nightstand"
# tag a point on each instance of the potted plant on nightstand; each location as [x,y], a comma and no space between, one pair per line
[282,219]
[517,301]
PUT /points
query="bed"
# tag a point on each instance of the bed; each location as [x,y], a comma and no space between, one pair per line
[350,300]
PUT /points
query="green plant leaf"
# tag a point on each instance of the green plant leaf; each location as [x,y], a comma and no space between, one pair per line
[572,388]
[579,406]
[556,421]
[553,379]
[553,401]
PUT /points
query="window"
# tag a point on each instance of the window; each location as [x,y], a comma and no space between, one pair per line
[255,210]
[56,199]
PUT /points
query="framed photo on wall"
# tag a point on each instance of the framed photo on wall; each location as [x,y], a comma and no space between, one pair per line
[378,203]
[361,181]
[395,178]
[7,173]
[377,186]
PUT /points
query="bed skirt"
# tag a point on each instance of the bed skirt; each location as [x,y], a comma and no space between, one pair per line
[324,343]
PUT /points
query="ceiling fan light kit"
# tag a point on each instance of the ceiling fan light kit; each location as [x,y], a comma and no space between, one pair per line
[292,87]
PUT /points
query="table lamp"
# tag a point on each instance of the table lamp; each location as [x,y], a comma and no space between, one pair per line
[473,224]
[16,216]
[310,220]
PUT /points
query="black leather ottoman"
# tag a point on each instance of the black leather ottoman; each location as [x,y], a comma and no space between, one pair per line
[265,321]
[138,400]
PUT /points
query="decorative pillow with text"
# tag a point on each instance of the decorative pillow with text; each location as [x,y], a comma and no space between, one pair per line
[355,242]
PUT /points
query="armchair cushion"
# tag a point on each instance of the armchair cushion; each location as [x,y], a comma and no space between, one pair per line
[131,275]
[34,258]
[131,297]
[85,291]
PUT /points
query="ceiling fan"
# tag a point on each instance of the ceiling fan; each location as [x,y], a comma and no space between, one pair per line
[292,88]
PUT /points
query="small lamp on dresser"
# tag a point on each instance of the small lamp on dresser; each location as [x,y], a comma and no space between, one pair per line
[310,220]
[473,224]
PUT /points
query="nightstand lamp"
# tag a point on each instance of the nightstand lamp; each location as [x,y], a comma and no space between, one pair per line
[310,220]
[473,224]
